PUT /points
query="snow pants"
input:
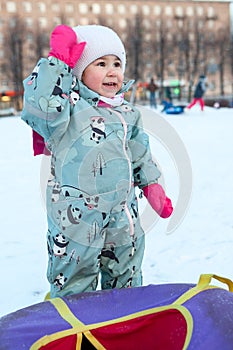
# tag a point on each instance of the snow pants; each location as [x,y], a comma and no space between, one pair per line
[84,242]
[196,100]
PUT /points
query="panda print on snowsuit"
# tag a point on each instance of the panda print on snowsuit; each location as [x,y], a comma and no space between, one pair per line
[69,216]
[60,281]
[57,91]
[60,244]
[98,129]
[34,75]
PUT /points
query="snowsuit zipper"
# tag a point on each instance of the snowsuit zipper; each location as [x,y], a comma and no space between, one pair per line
[124,124]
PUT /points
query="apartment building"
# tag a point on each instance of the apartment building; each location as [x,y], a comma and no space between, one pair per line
[45,14]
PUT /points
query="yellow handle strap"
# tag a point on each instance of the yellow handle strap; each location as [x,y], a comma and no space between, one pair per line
[66,313]
[204,281]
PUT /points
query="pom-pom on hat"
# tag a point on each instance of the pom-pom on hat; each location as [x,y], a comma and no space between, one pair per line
[100,41]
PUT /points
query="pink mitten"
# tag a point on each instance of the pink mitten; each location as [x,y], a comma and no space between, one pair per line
[64,45]
[158,200]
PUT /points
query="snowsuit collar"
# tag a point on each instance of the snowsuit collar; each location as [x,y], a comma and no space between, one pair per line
[94,99]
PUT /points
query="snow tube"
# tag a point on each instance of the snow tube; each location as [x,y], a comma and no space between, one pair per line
[161,317]
[175,110]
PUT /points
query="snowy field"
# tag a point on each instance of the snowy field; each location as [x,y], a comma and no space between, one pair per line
[200,240]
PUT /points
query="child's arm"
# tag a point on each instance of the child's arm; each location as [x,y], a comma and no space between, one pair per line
[47,90]
[146,173]
[46,98]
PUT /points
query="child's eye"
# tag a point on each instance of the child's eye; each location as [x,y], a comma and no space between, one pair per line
[117,64]
[101,64]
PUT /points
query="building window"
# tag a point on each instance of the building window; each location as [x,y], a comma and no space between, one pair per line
[27,6]
[191,37]
[157,10]
[168,11]
[146,10]
[158,23]
[200,11]
[179,11]
[122,22]
[42,22]
[109,9]
[29,22]
[83,8]
[30,38]
[148,38]
[72,22]
[12,22]
[169,24]
[200,24]
[146,23]
[110,22]
[11,6]
[41,6]
[121,9]
[56,21]
[210,12]
[133,9]
[211,24]
[83,21]
[189,11]
[69,7]
[96,9]
[55,7]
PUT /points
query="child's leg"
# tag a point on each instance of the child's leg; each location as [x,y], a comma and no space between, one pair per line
[75,273]
[74,251]
[126,271]
[122,256]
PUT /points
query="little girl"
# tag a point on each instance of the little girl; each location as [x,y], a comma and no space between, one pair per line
[74,100]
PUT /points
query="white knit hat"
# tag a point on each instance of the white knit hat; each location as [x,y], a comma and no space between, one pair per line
[100,41]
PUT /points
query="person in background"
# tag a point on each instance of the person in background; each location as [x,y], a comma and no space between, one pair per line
[152,87]
[168,94]
[99,155]
[199,92]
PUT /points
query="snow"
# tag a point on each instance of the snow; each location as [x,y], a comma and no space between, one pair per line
[197,175]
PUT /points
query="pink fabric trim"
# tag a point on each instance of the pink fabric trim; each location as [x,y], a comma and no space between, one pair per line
[39,146]
[103,104]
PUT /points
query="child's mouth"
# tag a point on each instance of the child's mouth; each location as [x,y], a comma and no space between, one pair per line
[110,84]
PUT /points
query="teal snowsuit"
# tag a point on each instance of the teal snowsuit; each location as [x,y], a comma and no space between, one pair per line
[99,154]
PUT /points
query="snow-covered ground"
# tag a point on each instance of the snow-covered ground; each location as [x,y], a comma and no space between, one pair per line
[200,240]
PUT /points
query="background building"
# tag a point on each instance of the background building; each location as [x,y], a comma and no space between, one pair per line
[169,40]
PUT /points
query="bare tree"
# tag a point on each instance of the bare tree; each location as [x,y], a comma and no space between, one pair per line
[182,43]
[14,40]
[160,53]
[229,60]
[222,47]
[41,40]
[134,47]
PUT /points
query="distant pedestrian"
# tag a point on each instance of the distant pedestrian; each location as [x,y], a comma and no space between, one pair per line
[152,87]
[168,94]
[199,92]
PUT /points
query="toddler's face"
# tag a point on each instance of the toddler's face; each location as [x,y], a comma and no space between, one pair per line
[104,76]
